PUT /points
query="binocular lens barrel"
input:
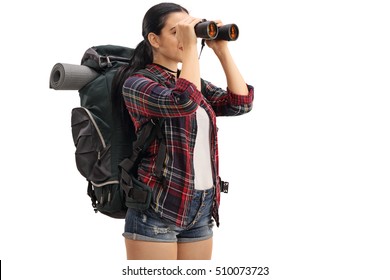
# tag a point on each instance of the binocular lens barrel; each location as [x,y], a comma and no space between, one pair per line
[228,32]
[206,30]
[210,30]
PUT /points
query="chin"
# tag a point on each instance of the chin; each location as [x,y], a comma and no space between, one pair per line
[179,59]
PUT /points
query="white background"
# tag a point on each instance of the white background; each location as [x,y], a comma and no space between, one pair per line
[308,167]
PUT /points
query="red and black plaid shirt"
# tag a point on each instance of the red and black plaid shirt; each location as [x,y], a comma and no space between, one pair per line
[176,101]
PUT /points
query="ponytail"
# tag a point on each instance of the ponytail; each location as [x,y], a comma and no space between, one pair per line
[141,57]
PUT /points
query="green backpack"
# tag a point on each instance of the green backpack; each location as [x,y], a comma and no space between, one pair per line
[106,152]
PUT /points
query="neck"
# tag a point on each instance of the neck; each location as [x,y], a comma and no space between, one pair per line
[165,68]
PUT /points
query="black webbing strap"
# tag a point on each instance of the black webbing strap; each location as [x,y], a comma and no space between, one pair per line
[161,151]
[127,184]
[144,138]
[92,195]
[146,135]
[138,195]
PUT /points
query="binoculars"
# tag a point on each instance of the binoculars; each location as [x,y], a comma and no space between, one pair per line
[210,31]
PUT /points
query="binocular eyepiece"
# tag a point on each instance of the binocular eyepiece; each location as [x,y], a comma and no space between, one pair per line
[209,30]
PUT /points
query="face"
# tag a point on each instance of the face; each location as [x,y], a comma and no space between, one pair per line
[167,50]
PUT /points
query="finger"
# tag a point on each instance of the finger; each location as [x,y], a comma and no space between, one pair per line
[218,22]
[194,21]
[188,20]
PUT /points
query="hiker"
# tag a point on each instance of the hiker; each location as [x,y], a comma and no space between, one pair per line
[185,198]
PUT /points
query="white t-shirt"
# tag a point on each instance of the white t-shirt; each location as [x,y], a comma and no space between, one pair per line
[202,153]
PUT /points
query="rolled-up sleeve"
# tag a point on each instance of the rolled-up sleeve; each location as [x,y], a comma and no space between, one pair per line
[226,102]
[148,98]
[237,99]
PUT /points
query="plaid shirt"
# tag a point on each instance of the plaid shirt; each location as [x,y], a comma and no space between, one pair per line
[176,102]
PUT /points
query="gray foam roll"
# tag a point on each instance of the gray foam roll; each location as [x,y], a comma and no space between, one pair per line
[65,76]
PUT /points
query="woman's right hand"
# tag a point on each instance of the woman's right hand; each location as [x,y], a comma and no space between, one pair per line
[185,32]
[186,37]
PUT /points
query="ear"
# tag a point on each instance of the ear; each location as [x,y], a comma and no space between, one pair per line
[154,40]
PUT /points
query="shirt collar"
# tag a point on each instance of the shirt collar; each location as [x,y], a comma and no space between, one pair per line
[160,72]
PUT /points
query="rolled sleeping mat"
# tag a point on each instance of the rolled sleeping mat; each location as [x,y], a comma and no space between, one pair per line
[65,76]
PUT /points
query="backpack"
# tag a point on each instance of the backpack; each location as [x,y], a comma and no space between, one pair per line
[106,152]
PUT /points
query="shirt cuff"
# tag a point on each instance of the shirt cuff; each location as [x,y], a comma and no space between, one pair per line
[236,99]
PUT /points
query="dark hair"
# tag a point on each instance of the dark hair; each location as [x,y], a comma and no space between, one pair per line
[154,20]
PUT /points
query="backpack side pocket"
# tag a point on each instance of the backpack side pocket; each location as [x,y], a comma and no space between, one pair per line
[93,158]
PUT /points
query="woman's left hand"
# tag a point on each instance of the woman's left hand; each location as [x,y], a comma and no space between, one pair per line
[217,45]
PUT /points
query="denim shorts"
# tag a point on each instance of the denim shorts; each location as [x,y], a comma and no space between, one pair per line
[147,225]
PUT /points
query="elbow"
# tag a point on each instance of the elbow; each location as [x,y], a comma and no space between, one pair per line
[186,97]
[184,105]
[243,109]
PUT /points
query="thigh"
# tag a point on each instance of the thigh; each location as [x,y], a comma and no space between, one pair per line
[148,226]
[198,250]
[149,250]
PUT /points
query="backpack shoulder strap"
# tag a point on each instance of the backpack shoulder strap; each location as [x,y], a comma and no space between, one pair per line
[157,128]
[149,132]
[147,74]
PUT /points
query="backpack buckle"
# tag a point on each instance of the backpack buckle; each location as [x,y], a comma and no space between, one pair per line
[104,61]
[224,187]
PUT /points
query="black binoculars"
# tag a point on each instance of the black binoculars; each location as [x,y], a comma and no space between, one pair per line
[209,30]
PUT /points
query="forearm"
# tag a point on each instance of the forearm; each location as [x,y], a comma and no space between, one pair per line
[235,81]
[190,66]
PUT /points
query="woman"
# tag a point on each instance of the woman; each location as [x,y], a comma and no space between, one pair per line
[178,224]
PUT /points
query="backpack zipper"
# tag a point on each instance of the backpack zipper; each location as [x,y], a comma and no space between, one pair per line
[96,127]
[105,183]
